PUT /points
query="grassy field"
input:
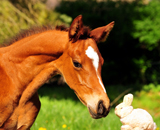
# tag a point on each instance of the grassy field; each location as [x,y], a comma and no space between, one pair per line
[60,110]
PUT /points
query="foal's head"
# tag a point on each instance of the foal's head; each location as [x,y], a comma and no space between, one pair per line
[82,63]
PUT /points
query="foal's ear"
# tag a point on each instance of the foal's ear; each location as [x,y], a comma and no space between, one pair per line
[100,34]
[75,27]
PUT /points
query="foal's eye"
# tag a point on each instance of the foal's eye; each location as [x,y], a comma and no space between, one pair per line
[77,64]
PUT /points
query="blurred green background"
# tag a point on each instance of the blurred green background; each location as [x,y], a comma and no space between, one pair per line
[131,52]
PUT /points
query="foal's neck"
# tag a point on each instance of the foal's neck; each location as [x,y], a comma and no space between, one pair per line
[30,55]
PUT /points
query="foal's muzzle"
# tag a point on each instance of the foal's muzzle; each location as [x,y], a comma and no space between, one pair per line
[101,110]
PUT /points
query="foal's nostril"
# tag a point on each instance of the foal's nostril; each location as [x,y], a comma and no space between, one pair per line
[100,108]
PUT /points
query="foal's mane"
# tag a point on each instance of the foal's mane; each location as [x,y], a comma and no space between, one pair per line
[36,29]
[31,31]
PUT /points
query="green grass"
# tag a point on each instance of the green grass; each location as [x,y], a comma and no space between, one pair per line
[60,106]
[60,110]
[56,113]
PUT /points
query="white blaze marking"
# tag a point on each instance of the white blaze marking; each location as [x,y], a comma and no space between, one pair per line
[95,59]
[94,56]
